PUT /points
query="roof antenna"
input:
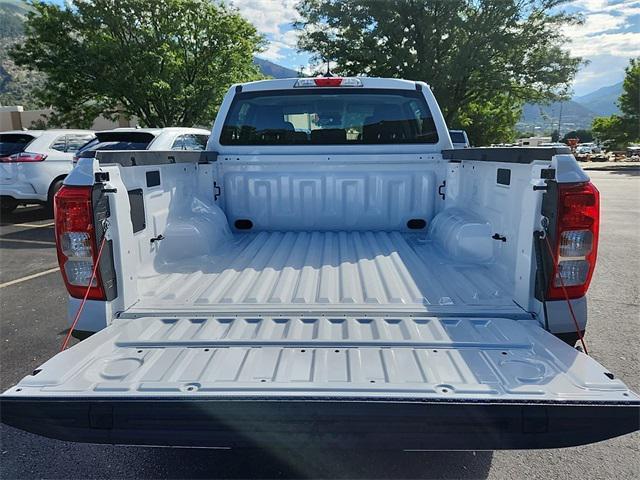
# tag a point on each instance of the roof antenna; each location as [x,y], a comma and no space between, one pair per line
[328,72]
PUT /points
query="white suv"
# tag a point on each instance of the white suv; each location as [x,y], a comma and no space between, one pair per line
[33,164]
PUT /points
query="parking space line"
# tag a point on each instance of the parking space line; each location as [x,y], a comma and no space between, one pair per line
[35,242]
[28,277]
[30,225]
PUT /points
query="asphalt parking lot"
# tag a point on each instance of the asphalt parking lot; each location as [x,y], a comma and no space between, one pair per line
[33,323]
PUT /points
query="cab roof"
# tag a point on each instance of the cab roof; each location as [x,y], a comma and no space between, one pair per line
[289,83]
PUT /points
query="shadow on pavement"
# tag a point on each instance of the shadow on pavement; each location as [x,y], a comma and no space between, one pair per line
[32,213]
[629,170]
[56,459]
[27,228]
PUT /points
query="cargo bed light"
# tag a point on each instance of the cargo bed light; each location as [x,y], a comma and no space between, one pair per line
[328,82]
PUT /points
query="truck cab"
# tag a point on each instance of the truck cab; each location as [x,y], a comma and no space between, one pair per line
[328,271]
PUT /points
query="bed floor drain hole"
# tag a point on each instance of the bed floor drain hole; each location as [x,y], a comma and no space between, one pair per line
[243,224]
[416,224]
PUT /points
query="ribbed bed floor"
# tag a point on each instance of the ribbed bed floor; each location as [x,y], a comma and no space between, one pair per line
[316,270]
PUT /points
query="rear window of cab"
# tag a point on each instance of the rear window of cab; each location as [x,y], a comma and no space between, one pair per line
[329,116]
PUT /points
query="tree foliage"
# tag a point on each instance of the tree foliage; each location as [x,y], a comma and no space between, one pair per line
[476,54]
[620,130]
[585,136]
[168,62]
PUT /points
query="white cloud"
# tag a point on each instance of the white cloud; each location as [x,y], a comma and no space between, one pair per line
[268,16]
[598,23]
[273,18]
[607,38]
[274,51]
[590,5]
[290,38]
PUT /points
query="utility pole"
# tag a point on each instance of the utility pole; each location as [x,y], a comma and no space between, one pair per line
[560,121]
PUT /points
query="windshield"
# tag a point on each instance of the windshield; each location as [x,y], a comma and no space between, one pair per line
[116,141]
[329,116]
[11,143]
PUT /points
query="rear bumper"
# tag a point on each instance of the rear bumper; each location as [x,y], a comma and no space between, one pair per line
[322,423]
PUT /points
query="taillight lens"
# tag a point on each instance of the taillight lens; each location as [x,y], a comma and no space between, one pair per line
[76,242]
[24,157]
[576,248]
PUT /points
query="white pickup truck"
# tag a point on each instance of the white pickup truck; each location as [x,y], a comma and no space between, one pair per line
[330,273]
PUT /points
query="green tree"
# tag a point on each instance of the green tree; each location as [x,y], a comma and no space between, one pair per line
[612,131]
[168,62]
[620,130]
[585,136]
[473,119]
[475,54]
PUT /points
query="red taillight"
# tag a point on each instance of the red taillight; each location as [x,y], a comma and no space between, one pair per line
[24,157]
[576,246]
[76,242]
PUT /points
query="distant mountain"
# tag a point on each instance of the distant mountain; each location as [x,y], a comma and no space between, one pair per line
[273,69]
[12,15]
[602,101]
[16,83]
[574,116]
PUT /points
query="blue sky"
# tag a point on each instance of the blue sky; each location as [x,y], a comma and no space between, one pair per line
[609,36]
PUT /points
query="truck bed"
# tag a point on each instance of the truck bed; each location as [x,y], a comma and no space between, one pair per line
[318,271]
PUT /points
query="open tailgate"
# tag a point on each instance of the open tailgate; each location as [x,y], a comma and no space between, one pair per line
[397,383]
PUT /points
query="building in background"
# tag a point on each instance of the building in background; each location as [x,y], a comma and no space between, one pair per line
[532,141]
[17,118]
